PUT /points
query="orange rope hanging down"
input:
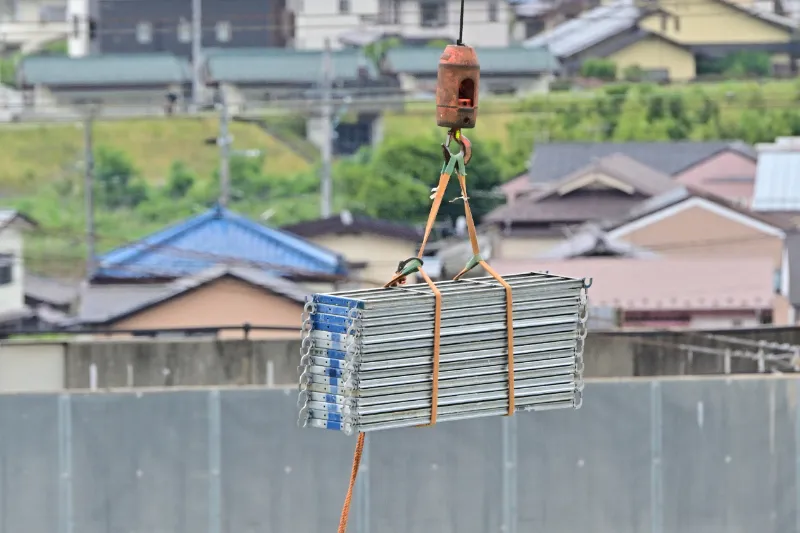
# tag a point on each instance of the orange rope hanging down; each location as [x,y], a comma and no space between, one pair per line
[399,279]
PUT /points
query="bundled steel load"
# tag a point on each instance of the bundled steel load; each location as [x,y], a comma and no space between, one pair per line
[371,359]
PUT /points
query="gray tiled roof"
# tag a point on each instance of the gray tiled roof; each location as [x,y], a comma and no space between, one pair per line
[588,29]
[551,161]
[105,303]
[103,70]
[493,60]
[279,65]
[49,290]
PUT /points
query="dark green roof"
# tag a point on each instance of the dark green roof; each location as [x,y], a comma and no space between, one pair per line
[103,70]
[280,65]
[498,61]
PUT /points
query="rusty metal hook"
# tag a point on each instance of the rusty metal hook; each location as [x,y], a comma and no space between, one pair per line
[465,145]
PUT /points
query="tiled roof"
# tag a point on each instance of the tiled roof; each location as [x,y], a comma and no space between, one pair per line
[49,290]
[345,223]
[777,186]
[288,66]
[551,161]
[590,28]
[665,284]
[683,193]
[424,60]
[101,304]
[103,70]
[592,240]
[216,237]
[587,205]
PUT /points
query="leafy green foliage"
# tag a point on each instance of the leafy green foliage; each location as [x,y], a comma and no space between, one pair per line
[117,180]
[598,68]
[393,180]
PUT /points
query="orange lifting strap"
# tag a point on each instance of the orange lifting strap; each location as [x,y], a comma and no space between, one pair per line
[399,279]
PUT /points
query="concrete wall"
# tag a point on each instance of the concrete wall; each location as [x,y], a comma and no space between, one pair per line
[641,456]
[121,363]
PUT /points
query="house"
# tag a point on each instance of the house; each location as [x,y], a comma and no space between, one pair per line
[201,302]
[372,247]
[777,183]
[291,78]
[553,161]
[729,174]
[17,311]
[788,283]
[689,223]
[664,39]
[360,22]
[153,26]
[536,16]
[702,293]
[45,292]
[218,237]
[139,83]
[508,70]
[13,225]
[27,25]
[602,190]
[592,241]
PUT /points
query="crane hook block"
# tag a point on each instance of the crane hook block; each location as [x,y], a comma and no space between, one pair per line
[457,87]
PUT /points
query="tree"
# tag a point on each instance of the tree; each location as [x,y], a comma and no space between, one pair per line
[117,180]
[395,180]
[179,181]
[599,68]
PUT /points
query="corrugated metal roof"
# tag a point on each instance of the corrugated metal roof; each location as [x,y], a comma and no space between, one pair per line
[216,237]
[494,60]
[777,185]
[104,70]
[277,65]
[590,28]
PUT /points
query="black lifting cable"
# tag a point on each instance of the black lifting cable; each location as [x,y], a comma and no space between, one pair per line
[461,26]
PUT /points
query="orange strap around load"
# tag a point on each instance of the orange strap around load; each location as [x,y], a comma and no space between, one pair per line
[473,238]
[437,326]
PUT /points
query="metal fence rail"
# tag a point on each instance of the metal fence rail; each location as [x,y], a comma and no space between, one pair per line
[674,456]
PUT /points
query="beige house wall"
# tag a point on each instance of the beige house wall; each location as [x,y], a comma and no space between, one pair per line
[224,302]
[382,254]
[699,232]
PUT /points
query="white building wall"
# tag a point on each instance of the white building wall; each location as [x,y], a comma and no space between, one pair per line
[317,20]
[12,295]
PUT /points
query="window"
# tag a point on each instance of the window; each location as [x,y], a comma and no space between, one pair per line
[6,269]
[344,6]
[223,31]
[493,10]
[433,13]
[144,32]
[184,31]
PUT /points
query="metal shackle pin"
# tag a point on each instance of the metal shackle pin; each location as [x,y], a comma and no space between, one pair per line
[457,87]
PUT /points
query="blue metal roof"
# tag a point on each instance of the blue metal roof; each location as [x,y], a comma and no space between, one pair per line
[216,237]
[777,185]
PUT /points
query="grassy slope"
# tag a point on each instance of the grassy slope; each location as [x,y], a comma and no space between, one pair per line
[35,154]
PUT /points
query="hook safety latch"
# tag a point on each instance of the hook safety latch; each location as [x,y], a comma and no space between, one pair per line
[465,146]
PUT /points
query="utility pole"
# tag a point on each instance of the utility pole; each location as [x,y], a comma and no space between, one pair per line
[88,188]
[326,185]
[197,52]
[224,141]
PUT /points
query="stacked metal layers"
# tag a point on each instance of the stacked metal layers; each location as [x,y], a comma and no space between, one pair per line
[367,355]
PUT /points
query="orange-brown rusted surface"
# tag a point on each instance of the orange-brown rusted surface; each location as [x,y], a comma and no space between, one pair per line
[457,87]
